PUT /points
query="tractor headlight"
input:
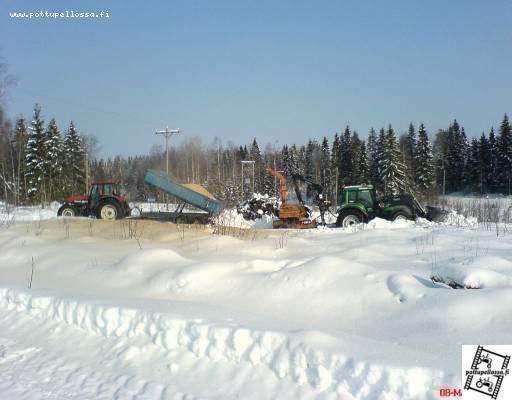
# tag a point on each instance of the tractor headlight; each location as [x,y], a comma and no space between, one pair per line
[131,205]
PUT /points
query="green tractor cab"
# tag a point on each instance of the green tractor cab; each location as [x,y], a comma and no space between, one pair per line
[360,204]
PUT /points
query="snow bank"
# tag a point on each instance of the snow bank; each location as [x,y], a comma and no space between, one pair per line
[307,358]
[231,218]
[27,213]
[453,218]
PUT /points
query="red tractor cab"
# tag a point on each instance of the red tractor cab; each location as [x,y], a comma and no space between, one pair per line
[103,201]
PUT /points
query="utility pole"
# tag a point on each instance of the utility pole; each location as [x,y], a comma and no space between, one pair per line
[167,133]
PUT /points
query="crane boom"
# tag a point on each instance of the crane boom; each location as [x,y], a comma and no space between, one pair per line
[283,185]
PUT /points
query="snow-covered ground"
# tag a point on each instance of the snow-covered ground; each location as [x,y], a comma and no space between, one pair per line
[10,214]
[486,209]
[149,310]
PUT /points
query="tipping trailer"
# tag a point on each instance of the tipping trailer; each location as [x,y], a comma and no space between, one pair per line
[194,195]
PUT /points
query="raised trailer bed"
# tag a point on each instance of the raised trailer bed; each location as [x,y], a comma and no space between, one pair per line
[194,195]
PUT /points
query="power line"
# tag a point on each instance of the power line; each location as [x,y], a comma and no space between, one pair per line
[82,105]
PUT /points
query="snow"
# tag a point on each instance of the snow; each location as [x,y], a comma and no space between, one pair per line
[231,218]
[183,313]
[27,213]
[162,207]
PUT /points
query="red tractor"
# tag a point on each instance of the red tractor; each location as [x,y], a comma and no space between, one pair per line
[103,201]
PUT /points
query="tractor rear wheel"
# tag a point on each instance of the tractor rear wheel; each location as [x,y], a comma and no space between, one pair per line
[401,215]
[348,218]
[108,210]
[67,210]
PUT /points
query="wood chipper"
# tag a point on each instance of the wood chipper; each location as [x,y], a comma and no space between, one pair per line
[296,216]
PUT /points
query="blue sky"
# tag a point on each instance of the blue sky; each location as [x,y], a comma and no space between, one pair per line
[275,70]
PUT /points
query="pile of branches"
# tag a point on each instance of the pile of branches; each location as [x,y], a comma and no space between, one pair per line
[258,206]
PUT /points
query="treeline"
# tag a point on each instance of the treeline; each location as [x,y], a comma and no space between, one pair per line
[38,163]
[392,163]
[482,165]
[232,173]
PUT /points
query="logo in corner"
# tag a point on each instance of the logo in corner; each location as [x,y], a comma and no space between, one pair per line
[485,372]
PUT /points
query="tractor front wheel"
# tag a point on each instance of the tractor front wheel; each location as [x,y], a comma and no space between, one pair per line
[348,218]
[66,210]
[108,210]
[401,216]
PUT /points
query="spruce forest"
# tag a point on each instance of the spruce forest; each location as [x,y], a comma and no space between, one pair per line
[40,162]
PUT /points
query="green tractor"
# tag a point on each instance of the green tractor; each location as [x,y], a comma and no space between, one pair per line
[360,204]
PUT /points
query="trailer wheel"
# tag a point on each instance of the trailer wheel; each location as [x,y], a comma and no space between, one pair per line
[67,210]
[135,212]
[347,218]
[109,210]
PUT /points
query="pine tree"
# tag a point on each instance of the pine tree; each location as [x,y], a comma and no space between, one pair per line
[473,171]
[345,161]
[293,161]
[335,167]
[379,157]
[440,152]
[504,152]
[452,173]
[21,137]
[492,175]
[424,171]
[55,160]
[373,157]
[285,156]
[74,162]
[268,181]
[484,156]
[35,158]
[465,149]
[364,166]
[410,144]
[355,155]
[255,155]
[243,153]
[308,161]
[325,171]
[455,158]
[301,160]
[391,166]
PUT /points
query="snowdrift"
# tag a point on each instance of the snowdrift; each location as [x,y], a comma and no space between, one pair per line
[319,314]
